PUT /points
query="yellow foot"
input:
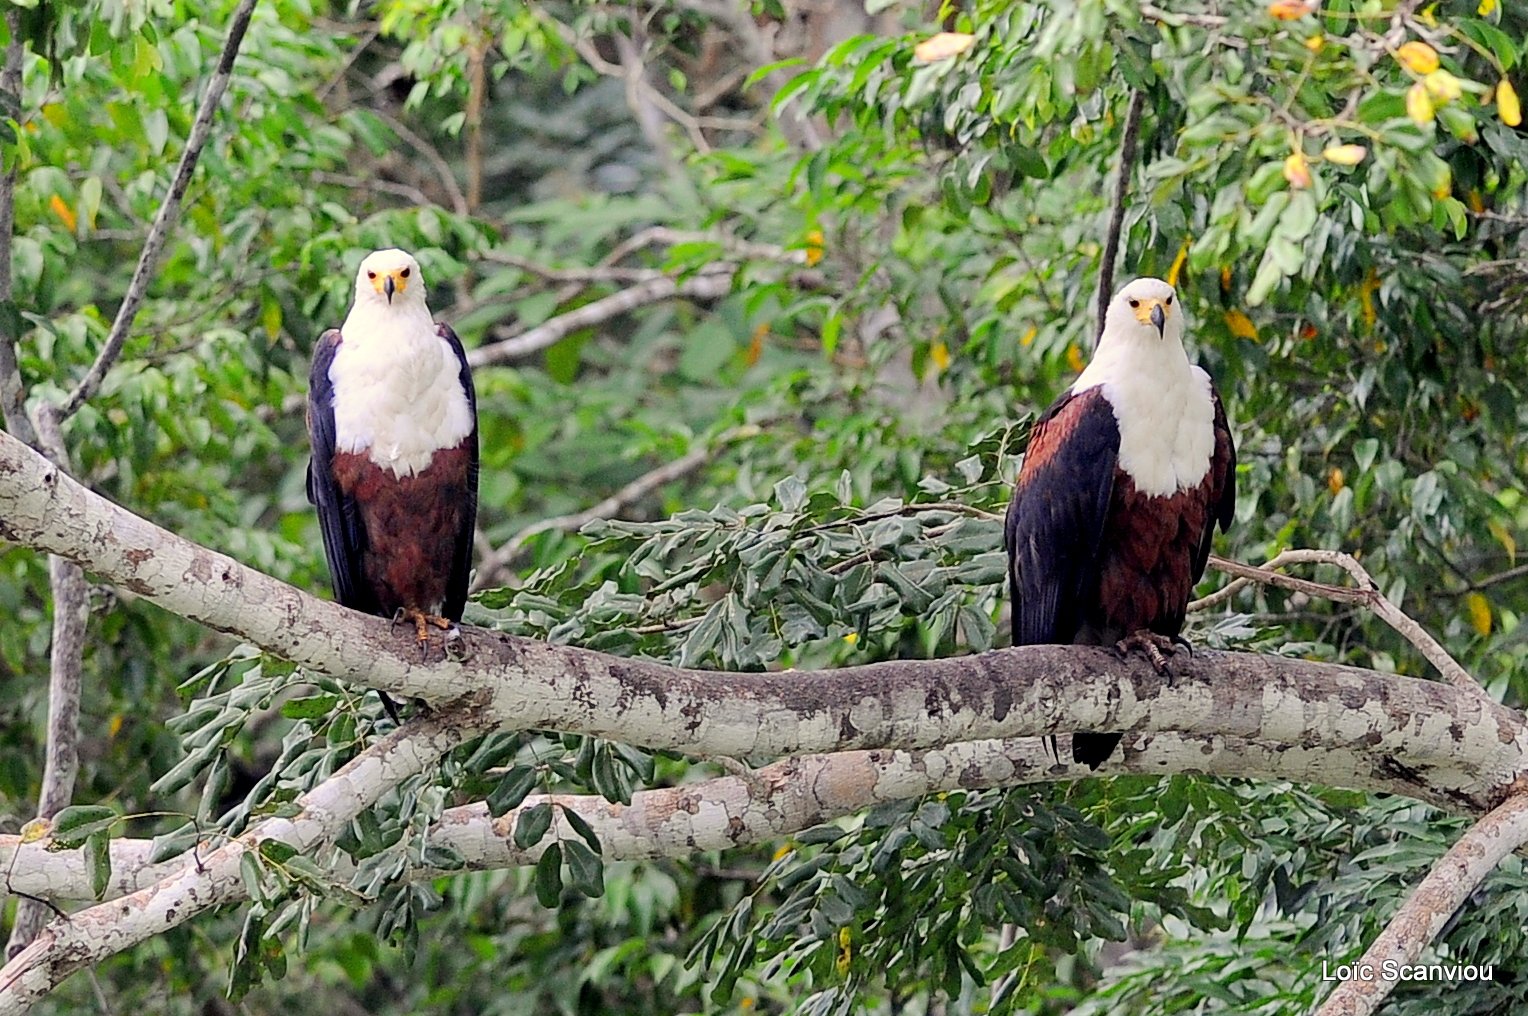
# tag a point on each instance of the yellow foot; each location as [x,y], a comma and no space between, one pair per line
[423,622]
[1156,647]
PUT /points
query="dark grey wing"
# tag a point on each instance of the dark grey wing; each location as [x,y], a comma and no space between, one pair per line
[339,518]
[461,559]
[1222,485]
[1055,523]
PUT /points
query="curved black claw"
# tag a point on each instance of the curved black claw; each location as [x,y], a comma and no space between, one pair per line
[1188,647]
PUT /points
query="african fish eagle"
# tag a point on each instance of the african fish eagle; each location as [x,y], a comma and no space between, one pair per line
[1123,481]
[392,418]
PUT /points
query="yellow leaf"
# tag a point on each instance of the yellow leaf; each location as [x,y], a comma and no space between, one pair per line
[1335,481]
[1419,105]
[1316,43]
[1480,613]
[1345,155]
[1241,325]
[1504,537]
[1178,262]
[1474,200]
[61,209]
[943,46]
[1443,86]
[1074,358]
[1297,171]
[852,638]
[1507,106]
[1029,335]
[1486,8]
[813,247]
[940,354]
[1366,297]
[1418,57]
[114,726]
[1291,10]
[37,829]
[783,849]
[756,345]
[845,951]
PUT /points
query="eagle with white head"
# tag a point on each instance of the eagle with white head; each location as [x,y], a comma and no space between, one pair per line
[1124,479]
[392,418]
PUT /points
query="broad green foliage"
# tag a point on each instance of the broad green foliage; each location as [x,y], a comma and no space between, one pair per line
[915,241]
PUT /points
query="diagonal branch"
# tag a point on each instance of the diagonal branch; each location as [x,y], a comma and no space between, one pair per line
[707,286]
[164,221]
[214,879]
[1366,594]
[1127,147]
[12,388]
[494,564]
[1450,882]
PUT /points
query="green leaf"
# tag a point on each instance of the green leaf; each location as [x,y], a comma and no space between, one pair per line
[98,857]
[586,872]
[77,823]
[312,707]
[512,789]
[532,825]
[548,876]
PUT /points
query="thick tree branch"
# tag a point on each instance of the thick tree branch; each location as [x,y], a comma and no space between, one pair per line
[213,879]
[775,801]
[1127,147]
[1460,744]
[707,286]
[164,221]
[1427,910]
[12,388]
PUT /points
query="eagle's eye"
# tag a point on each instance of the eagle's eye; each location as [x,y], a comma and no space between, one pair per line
[1135,303]
[404,273]
[1169,301]
[371,275]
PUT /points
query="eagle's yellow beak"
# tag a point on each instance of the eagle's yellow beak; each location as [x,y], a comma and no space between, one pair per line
[388,283]
[1151,310]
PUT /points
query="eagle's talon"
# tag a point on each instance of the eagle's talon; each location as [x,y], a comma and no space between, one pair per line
[1156,647]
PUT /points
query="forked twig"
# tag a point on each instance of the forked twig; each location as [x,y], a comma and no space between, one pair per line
[1366,594]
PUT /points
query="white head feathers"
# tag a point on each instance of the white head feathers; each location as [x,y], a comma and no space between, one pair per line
[389,278]
[397,395]
[1146,311]
[1162,403]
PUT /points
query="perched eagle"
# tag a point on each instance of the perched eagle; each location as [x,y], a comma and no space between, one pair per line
[1125,476]
[392,418]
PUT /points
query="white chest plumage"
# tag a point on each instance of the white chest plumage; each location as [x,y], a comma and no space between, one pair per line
[1165,412]
[397,397]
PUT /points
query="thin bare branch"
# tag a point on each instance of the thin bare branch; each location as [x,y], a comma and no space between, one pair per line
[164,221]
[595,274]
[709,286]
[1121,193]
[491,567]
[1367,594]
[443,174]
[1450,882]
